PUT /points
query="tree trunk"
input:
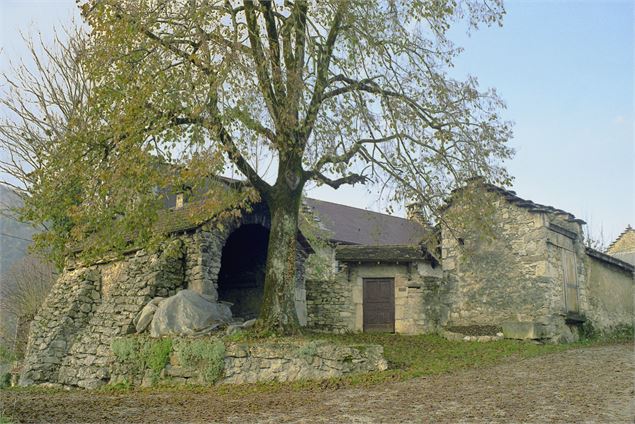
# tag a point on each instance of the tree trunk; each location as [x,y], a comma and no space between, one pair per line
[278,313]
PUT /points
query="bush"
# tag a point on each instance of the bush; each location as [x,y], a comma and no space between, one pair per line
[619,333]
[5,380]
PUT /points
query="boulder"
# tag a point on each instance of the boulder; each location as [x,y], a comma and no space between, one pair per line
[144,318]
[188,313]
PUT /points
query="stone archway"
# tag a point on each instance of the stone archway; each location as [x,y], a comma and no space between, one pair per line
[242,270]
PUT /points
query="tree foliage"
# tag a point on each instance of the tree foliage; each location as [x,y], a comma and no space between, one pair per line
[336,92]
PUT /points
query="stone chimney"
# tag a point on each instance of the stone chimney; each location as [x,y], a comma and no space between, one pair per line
[180,199]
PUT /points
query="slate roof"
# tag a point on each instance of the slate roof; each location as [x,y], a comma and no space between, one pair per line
[349,225]
[382,253]
[625,256]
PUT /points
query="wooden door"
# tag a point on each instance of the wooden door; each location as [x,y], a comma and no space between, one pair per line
[570,281]
[379,304]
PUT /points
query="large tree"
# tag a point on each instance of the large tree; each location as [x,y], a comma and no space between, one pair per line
[336,92]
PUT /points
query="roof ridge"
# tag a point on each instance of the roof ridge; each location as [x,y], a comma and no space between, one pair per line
[364,210]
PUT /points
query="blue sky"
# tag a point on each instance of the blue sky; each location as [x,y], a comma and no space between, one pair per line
[565,69]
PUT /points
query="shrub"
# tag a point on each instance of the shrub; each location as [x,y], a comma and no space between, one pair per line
[157,354]
[206,355]
[141,354]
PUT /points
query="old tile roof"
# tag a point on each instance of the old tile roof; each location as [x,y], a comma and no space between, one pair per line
[610,259]
[625,242]
[351,225]
[382,253]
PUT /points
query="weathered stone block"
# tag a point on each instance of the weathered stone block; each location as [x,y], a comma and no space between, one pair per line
[523,330]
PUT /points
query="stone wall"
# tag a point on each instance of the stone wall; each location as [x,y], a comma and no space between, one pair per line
[501,279]
[90,305]
[338,305]
[65,312]
[134,283]
[329,305]
[237,363]
[610,295]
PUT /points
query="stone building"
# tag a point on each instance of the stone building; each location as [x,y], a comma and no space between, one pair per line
[91,305]
[624,246]
[534,279]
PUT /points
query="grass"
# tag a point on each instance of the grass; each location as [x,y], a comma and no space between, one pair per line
[415,356]
[408,357]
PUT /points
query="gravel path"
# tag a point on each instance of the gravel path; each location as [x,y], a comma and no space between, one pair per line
[583,385]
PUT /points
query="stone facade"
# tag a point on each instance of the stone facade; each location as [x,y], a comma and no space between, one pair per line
[625,242]
[533,277]
[337,305]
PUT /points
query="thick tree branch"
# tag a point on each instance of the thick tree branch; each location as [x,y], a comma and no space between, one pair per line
[348,179]
[215,125]
[295,64]
[324,62]
[348,155]
[274,50]
[369,86]
[264,80]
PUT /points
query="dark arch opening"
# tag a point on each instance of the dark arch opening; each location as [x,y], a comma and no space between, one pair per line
[241,279]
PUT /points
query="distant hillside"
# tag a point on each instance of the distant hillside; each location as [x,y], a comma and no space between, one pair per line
[15,236]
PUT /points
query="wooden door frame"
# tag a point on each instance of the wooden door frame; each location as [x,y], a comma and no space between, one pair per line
[392,298]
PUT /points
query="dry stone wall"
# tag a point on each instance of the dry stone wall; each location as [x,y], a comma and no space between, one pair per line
[211,360]
[66,312]
[330,305]
[89,306]
[134,283]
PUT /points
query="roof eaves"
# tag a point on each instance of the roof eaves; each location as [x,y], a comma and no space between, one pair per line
[610,259]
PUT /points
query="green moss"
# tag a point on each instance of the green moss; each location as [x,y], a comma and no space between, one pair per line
[6,355]
[237,337]
[309,350]
[5,419]
[206,355]
[123,386]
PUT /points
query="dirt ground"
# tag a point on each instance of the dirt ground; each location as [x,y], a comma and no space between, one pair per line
[583,385]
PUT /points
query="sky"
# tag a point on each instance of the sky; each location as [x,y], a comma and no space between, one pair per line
[565,70]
